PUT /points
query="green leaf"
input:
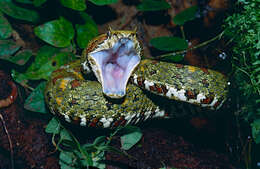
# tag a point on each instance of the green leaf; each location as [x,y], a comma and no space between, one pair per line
[38,3]
[87,31]
[44,54]
[67,160]
[19,77]
[173,58]
[66,141]
[58,33]
[17,12]
[24,1]
[5,27]
[8,47]
[153,5]
[99,140]
[68,145]
[110,149]
[103,2]
[258,101]
[79,5]
[66,157]
[65,135]
[35,101]
[131,138]
[44,72]
[256,130]
[256,62]
[169,43]
[20,58]
[47,60]
[89,147]
[97,160]
[82,162]
[185,15]
[53,126]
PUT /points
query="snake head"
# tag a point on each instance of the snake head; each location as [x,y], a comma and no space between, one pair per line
[113,57]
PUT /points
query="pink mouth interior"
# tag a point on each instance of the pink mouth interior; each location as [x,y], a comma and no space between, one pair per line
[116,65]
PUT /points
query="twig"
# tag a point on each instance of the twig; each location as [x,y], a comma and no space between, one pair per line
[9,141]
[27,86]
[182,32]
[192,48]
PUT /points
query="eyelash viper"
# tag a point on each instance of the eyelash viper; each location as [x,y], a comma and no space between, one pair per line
[73,95]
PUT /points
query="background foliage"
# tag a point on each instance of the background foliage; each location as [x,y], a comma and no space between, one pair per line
[243,28]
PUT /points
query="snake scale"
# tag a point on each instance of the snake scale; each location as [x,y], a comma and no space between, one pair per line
[122,94]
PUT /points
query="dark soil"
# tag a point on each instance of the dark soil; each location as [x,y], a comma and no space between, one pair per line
[31,145]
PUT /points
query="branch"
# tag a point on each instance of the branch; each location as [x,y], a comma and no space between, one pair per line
[192,48]
[9,141]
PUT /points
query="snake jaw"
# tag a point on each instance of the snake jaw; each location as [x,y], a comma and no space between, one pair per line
[113,66]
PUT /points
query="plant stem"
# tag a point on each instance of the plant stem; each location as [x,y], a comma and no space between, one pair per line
[192,48]
[86,156]
[9,141]
[182,32]
[28,87]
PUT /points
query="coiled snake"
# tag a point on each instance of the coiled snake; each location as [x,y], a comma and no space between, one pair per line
[115,59]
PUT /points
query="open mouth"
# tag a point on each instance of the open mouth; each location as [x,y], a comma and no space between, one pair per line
[114,66]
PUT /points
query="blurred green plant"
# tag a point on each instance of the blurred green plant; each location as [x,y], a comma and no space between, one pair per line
[244,31]
[74,155]
[153,5]
[186,15]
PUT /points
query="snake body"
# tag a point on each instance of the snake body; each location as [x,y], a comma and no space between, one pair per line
[70,93]
[200,86]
